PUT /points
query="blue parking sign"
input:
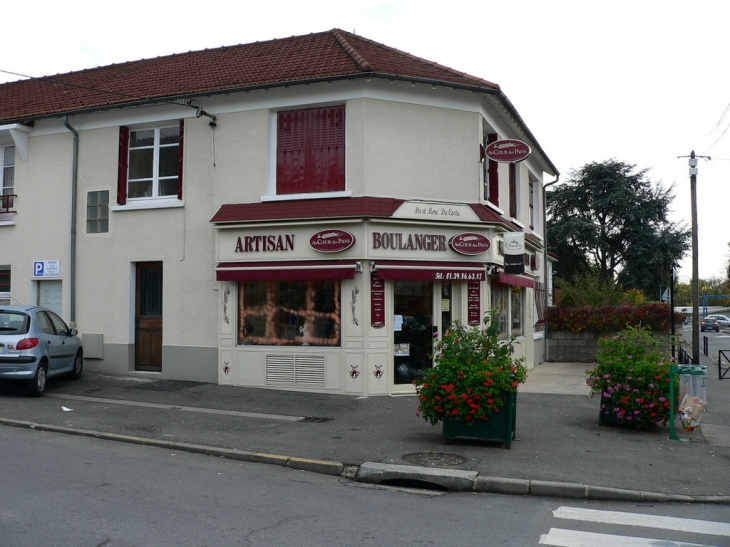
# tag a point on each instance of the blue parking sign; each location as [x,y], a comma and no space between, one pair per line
[38,267]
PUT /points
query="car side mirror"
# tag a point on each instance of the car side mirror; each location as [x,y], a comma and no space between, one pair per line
[73,332]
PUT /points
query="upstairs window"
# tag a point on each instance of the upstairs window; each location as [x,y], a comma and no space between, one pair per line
[7,177]
[310,151]
[491,174]
[150,163]
[513,190]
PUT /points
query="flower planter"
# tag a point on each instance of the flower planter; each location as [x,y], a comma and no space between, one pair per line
[498,427]
[611,419]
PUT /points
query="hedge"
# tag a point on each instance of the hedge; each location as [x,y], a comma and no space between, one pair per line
[611,318]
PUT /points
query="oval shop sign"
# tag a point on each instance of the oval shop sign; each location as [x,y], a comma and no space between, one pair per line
[469,243]
[331,241]
[508,151]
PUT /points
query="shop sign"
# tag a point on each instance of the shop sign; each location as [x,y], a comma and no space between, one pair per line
[474,303]
[251,244]
[409,242]
[377,302]
[514,252]
[469,243]
[331,241]
[508,151]
[428,210]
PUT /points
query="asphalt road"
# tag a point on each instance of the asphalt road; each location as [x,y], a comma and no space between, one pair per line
[59,490]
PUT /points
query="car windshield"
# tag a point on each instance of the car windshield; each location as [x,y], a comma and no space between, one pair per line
[13,322]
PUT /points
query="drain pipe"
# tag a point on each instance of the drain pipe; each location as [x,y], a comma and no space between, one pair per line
[544,219]
[74,185]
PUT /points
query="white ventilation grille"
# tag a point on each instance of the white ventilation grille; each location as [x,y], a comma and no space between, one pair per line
[295,370]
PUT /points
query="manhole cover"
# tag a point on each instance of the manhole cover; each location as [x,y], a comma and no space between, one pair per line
[434,459]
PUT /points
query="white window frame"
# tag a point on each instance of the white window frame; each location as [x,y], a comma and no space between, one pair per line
[155,179]
[5,166]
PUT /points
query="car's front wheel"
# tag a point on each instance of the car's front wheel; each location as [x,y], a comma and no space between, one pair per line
[78,369]
[37,386]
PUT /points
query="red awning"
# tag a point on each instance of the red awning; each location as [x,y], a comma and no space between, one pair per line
[286,271]
[508,279]
[430,271]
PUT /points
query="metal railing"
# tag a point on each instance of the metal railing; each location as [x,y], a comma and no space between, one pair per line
[726,354]
[6,203]
[684,358]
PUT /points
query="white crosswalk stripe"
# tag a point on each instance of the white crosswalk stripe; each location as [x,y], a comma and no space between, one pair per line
[650,521]
[574,538]
[560,537]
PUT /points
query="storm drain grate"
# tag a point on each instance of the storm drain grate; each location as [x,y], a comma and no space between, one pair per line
[434,459]
[315,419]
[164,385]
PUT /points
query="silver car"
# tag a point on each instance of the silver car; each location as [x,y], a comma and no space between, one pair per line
[723,320]
[35,344]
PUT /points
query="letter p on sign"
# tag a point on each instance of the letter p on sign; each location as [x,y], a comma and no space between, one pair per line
[38,269]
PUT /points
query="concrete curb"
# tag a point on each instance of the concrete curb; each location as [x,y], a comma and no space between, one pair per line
[453,480]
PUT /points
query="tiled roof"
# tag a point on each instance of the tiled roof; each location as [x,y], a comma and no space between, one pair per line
[323,55]
[307,209]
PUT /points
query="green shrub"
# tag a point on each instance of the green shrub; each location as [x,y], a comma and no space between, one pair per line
[632,377]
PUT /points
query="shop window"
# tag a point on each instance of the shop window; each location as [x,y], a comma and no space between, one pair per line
[517,313]
[289,313]
[150,163]
[310,151]
[97,212]
[7,177]
[4,285]
[500,304]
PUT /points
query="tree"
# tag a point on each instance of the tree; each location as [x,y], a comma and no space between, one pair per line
[610,219]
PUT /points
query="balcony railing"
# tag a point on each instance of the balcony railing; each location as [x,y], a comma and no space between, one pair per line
[6,203]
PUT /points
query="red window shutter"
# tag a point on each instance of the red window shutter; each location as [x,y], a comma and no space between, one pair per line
[123,165]
[310,150]
[532,205]
[512,191]
[493,174]
[180,161]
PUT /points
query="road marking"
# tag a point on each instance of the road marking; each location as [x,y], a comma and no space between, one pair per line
[650,521]
[177,407]
[574,538]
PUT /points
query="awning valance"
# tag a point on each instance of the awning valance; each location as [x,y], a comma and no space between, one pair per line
[430,271]
[286,271]
[509,279]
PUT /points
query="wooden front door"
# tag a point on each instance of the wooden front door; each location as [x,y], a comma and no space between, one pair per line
[148,317]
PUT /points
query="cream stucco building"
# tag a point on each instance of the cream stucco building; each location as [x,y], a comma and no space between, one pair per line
[304,213]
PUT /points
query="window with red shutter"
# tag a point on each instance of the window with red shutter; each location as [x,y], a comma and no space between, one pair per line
[512,190]
[310,151]
[150,163]
[532,204]
[493,175]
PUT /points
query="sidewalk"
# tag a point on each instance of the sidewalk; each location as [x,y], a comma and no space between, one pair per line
[558,438]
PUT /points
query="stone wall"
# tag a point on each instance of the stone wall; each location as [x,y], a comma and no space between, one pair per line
[582,347]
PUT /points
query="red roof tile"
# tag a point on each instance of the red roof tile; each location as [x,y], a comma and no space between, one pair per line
[323,55]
